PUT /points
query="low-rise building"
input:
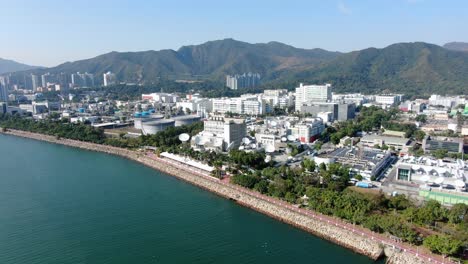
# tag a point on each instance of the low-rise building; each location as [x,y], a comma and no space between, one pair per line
[400,144]
[425,171]
[451,144]
[367,162]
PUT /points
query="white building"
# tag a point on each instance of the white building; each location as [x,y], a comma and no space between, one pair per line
[389,99]
[201,106]
[247,104]
[308,130]
[312,93]
[109,78]
[161,98]
[220,134]
[426,170]
[445,101]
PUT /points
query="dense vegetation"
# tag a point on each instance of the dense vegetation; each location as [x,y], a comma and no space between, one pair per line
[441,230]
[56,128]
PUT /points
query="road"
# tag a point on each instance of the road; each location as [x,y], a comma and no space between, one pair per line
[360,231]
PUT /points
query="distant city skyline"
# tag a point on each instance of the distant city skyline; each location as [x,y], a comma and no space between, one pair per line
[51,32]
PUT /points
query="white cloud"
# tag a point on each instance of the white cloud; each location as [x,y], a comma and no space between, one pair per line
[343,9]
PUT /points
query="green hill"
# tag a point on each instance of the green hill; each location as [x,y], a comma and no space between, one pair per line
[212,59]
[411,68]
[13,66]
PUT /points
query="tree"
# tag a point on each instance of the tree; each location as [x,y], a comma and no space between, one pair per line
[421,118]
[442,244]
[419,135]
[439,153]
[458,213]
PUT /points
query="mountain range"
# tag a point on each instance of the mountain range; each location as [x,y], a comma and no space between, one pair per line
[412,68]
[13,66]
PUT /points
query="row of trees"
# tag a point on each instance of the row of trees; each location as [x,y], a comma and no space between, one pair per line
[60,129]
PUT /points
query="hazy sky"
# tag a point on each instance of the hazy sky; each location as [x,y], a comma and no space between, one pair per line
[49,32]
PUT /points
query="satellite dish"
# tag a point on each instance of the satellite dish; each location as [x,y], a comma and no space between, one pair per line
[459,183]
[267,158]
[246,140]
[270,148]
[425,178]
[439,180]
[284,139]
[241,148]
[184,137]
[291,138]
[287,124]
[273,123]
[253,145]
[416,167]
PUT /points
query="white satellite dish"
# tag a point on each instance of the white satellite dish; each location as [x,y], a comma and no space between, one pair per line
[253,145]
[284,139]
[459,183]
[184,137]
[287,124]
[241,148]
[291,138]
[273,123]
[246,140]
[267,158]
[269,148]
[439,180]
[425,178]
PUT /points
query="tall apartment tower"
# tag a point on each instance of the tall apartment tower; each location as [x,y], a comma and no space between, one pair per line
[312,93]
[109,78]
[35,82]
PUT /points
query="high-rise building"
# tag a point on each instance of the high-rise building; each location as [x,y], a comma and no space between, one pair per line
[109,78]
[3,93]
[231,82]
[82,79]
[246,80]
[312,94]
[46,78]
[35,82]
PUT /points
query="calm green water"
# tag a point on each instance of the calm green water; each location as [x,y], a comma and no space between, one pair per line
[64,205]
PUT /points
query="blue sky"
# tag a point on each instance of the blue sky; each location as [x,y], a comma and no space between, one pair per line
[49,32]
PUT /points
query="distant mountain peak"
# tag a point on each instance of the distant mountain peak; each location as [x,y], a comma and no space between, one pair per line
[457,46]
[7,65]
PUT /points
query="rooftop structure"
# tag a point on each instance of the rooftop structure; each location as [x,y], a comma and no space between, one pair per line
[451,144]
[400,144]
[367,162]
[451,174]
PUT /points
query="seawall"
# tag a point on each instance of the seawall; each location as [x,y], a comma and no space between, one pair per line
[334,230]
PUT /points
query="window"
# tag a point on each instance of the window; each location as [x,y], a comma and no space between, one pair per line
[403,174]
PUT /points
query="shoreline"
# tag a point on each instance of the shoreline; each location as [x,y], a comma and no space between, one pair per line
[336,231]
